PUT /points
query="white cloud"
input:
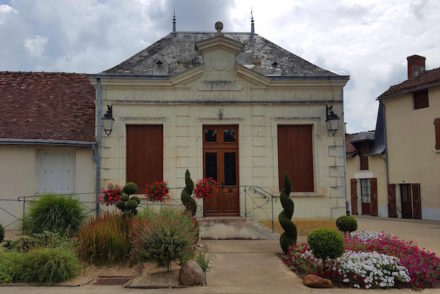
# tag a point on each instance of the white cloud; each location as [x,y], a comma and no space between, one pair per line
[369,40]
[35,46]
[5,9]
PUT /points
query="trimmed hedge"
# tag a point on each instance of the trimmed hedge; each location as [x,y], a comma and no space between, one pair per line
[346,224]
[326,243]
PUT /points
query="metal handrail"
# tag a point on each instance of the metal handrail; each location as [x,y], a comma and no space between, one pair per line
[268,197]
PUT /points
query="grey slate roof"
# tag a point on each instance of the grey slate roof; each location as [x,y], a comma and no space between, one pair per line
[175,53]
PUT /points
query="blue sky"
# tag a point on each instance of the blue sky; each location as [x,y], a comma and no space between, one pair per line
[368,40]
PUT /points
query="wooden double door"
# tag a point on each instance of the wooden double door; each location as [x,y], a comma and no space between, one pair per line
[220,162]
[411,201]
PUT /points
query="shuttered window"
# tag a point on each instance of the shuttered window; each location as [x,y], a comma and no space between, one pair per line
[421,99]
[295,156]
[56,171]
[437,133]
[144,154]
[363,151]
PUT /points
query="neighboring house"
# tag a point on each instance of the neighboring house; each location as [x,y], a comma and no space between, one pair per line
[46,137]
[366,175]
[412,115]
[232,106]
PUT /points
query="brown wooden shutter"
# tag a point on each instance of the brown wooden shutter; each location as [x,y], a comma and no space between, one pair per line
[373,190]
[354,197]
[363,157]
[295,156]
[417,201]
[144,163]
[421,99]
[392,211]
[437,133]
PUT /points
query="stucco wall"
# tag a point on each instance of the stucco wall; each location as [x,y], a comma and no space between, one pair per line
[18,177]
[376,169]
[411,148]
[187,103]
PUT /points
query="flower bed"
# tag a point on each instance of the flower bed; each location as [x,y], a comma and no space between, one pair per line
[372,260]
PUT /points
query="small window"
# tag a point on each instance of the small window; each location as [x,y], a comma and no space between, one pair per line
[229,136]
[363,151]
[365,190]
[437,133]
[210,135]
[421,99]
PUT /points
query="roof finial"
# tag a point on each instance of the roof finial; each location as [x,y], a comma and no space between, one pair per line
[252,23]
[174,21]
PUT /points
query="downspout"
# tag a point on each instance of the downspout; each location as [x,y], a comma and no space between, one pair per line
[386,146]
[98,142]
[347,206]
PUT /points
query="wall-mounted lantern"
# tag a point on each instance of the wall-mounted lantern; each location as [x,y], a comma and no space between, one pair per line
[332,120]
[108,120]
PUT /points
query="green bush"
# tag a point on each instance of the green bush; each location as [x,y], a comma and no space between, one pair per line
[10,266]
[346,224]
[103,240]
[46,239]
[288,238]
[2,233]
[128,205]
[130,188]
[41,265]
[170,235]
[187,201]
[326,243]
[21,243]
[203,261]
[54,213]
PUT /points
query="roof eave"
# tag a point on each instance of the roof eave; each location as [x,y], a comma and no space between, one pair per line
[12,141]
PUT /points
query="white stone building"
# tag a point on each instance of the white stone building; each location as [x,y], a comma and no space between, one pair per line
[233,106]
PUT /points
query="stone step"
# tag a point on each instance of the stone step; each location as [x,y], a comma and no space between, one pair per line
[220,228]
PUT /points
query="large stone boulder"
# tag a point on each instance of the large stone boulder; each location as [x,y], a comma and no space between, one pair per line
[313,281]
[191,274]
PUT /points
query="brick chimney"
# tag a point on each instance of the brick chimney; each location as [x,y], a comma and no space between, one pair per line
[416,65]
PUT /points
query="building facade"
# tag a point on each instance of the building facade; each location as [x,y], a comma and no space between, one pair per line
[231,106]
[412,115]
[46,139]
[366,175]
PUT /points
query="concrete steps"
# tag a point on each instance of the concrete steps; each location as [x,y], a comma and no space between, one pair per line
[221,228]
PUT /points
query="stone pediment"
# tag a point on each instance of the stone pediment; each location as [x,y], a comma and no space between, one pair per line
[221,71]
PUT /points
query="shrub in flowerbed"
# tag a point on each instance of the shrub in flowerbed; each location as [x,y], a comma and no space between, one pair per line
[2,233]
[40,265]
[120,197]
[25,243]
[423,266]
[326,243]
[171,235]
[54,213]
[354,269]
[371,260]
[346,224]
[103,240]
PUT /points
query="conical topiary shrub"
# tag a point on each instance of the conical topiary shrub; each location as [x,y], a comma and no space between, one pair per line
[285,217]
[189,203]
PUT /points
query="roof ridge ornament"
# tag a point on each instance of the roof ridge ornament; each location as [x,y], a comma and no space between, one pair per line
[174,21]
[219,27]
[252,23]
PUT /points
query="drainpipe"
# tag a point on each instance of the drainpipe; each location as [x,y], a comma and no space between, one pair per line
[98,142]
[386,148]
[347,206]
